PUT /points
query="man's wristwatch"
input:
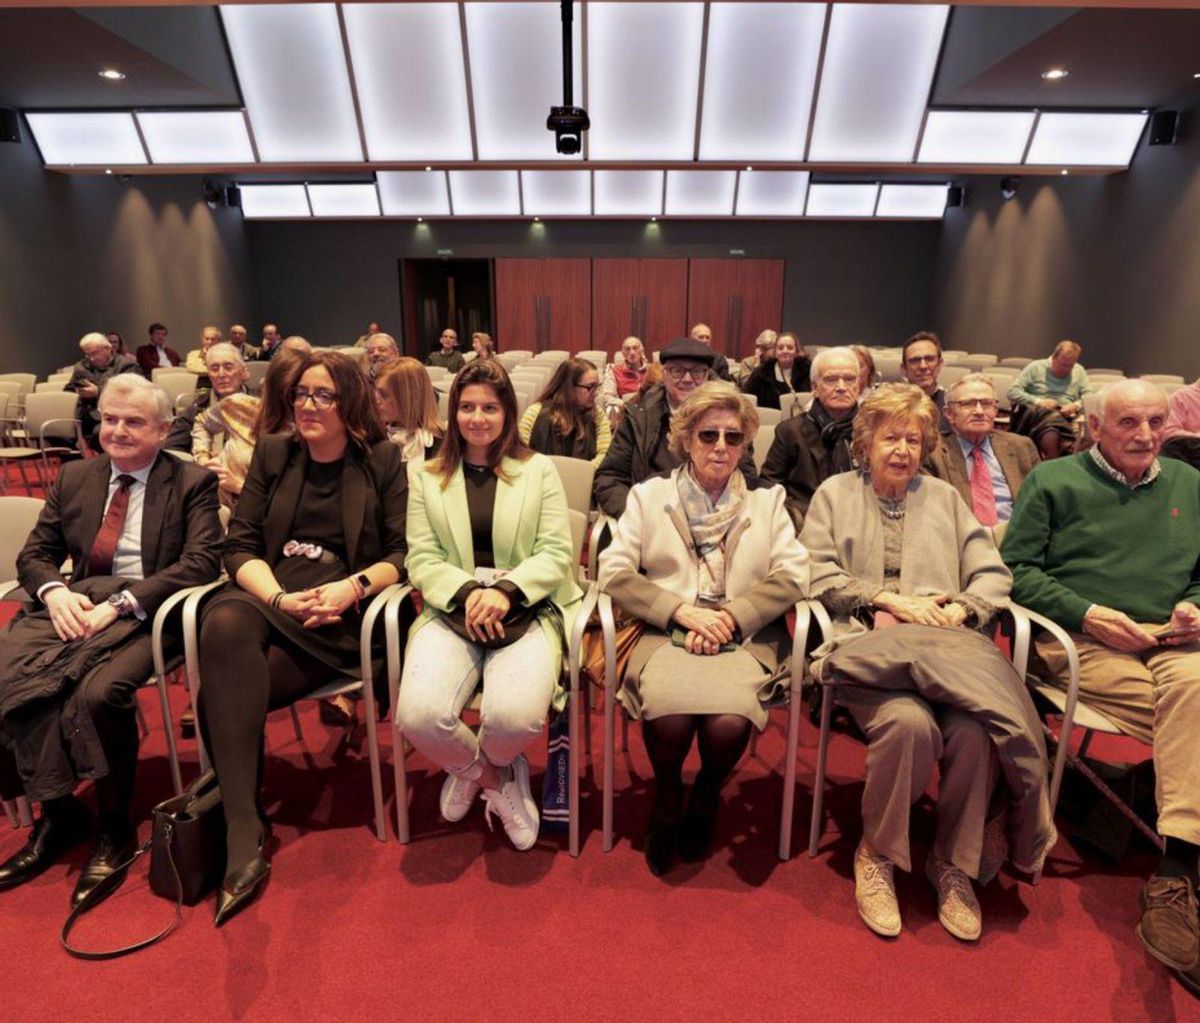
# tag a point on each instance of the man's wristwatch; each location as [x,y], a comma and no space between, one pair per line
[121,604]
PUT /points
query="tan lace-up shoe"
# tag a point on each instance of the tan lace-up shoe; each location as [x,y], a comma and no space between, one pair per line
[1169,927]
[958,909]
[875,892]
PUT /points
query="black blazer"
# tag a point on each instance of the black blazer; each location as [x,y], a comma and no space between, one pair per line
[374,504]
[763,385]
[181,532]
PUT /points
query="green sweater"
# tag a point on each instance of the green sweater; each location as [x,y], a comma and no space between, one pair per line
[1078,538]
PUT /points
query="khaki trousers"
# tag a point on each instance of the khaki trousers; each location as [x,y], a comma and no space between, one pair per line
[1152,696]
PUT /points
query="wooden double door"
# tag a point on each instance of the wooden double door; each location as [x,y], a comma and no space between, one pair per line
[544,303]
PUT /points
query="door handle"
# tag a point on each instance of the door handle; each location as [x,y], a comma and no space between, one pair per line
[633,315]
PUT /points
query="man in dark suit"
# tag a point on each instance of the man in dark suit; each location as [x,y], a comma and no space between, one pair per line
[987,468]
[155,354]
[138,525]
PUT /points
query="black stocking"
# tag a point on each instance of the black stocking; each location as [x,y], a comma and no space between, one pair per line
[722,740]
[668,740]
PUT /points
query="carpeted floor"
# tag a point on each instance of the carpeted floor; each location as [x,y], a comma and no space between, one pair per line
[458,925]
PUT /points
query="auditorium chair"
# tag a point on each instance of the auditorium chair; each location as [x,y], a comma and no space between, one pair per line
[792,404]
[49,417]
[763,440]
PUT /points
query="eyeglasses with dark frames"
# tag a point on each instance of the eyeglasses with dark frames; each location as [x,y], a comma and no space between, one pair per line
[733,438]
[321,398]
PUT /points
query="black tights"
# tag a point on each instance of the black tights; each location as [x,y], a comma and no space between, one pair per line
[721,739]
[247,668]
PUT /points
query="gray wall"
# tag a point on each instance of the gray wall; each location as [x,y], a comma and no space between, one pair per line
[91,253]
[869,282]
[1113,262]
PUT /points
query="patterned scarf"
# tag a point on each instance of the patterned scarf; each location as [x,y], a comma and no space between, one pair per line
[709,524]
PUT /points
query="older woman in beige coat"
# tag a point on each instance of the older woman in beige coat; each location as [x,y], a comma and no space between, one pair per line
[710,567]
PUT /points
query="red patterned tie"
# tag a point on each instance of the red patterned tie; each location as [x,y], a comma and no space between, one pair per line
[100,562]
[983,499]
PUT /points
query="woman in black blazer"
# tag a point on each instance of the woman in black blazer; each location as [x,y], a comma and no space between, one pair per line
[319,529]
[787,373]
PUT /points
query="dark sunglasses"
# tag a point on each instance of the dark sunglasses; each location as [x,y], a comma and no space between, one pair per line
[733,438]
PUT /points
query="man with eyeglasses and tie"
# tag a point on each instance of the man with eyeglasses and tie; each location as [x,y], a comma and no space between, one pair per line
[137,525]
[639,446]
[986,467]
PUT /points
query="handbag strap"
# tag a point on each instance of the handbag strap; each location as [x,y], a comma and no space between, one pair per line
[106,887]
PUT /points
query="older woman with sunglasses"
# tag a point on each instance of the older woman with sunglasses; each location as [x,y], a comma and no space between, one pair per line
[319,530]
[710,567]
[566,419]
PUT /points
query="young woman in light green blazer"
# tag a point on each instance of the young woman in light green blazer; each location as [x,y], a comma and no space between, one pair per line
[489,547]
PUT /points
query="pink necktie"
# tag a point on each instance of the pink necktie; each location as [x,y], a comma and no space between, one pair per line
[983,500]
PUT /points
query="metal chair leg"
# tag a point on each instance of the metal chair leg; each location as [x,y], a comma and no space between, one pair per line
[296,723]
[814,830]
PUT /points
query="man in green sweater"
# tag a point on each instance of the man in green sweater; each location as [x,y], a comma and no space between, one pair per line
[1107,544]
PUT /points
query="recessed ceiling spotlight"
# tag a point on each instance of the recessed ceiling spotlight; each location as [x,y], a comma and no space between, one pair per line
[654,220]
[420,220]
[1063,172]
[112,75]
[749,168]
[1055,73]
[107,170]
[429,168]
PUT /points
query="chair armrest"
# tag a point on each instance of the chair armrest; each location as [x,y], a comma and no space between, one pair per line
[163,614]
[575,641]
[602,522]
[8,586]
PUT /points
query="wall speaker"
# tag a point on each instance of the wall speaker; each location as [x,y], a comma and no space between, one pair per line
[1164,128]
[10,125]
[955,195]
[233,197]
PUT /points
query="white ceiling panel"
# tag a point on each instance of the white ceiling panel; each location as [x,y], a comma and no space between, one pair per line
[485,193]
[760,69]
[643,81]
[86,138]
[1086,140]
[551,193]
[831,200]
[200,136]
[912,201]
[414,193]
[629,193]
[700,193]
[771,193]
[352,200]
[975,136]
[516,76]
[268,201]
[291,65]
[879,63]
[412,89]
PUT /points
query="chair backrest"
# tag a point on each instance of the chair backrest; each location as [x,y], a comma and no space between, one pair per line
[771,417]
[793,404]
[40,409]
[762,444]
[1104,371]
[175,384]
[49,385]
[1017,361]
[579,525]
[1163,378]
[256,373]
[17,518]
[182,401]
[953,354]
[511,360]
[25,381]
[61,376]
[577,475]
[752,398]
[552,355]
[160,371]
[437,372]
[11,388]
[443,402]
[523,353]
[183,456]
[596,357]
[980,361]
[952,375]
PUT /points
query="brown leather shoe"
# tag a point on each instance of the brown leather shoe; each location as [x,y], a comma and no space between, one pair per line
[1170,929]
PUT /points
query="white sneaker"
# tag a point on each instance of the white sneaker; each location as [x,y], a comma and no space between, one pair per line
[458,793]
[958,909]
[875,892]
[515,806]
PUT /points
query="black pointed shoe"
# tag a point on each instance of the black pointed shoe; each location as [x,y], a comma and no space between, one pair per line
[696,831]
[106,867]
[240,889]
[47,842]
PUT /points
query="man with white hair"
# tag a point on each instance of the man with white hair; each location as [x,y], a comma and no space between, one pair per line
[239,337]
[1047,398]
[194,363]
[98,364]
[987,468]
[623,380]
[382,351]
[227,374]
[137,526]
[814,445]
[1106,543]
[702,332]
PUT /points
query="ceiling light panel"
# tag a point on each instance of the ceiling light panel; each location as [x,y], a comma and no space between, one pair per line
[66,139]
[203,136]
[975,136]
[879,63]
[912,201]
[772,193]
[357,200]
[268,202]
[760,68]
[700,193]
[553,193]
[1086,140]
[291,65]
[516,76]
[826,200]
[485,193]
[414,193]
[644,64]
[629,193]
[412,87]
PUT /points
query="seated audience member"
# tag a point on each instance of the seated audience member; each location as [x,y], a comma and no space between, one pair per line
[711,568]
[228,376]
[566,418]
[156,354]
[117,342]
[639,447]
[702,332]
[891,548]
[270,342]
[496,609]
[382,351]
[1047,399]
[621,380]
[868,378]
[1107,544]
[764,349]
[483,345]
[372,329]
[318,530]
[195,358]
[239,337]
[814,445]
[447,355]
[98,365]
[295,343]
[984,465]
[1181,437]
[921,364]
[408,408]
[138,526]
[786,373]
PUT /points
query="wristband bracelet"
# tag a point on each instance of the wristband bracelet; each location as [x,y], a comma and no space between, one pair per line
[277,598]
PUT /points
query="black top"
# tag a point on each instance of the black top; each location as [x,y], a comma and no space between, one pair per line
[481,499]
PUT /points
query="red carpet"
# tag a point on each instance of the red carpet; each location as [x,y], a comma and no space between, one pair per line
[458,925]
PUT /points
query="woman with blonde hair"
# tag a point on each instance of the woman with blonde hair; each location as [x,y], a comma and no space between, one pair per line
[567,419]
[484,346]
[407,405]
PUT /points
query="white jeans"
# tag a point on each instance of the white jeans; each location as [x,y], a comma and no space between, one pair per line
[441,672]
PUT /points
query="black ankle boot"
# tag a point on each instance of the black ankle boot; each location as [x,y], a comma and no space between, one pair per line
[696,831]
[662,834]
